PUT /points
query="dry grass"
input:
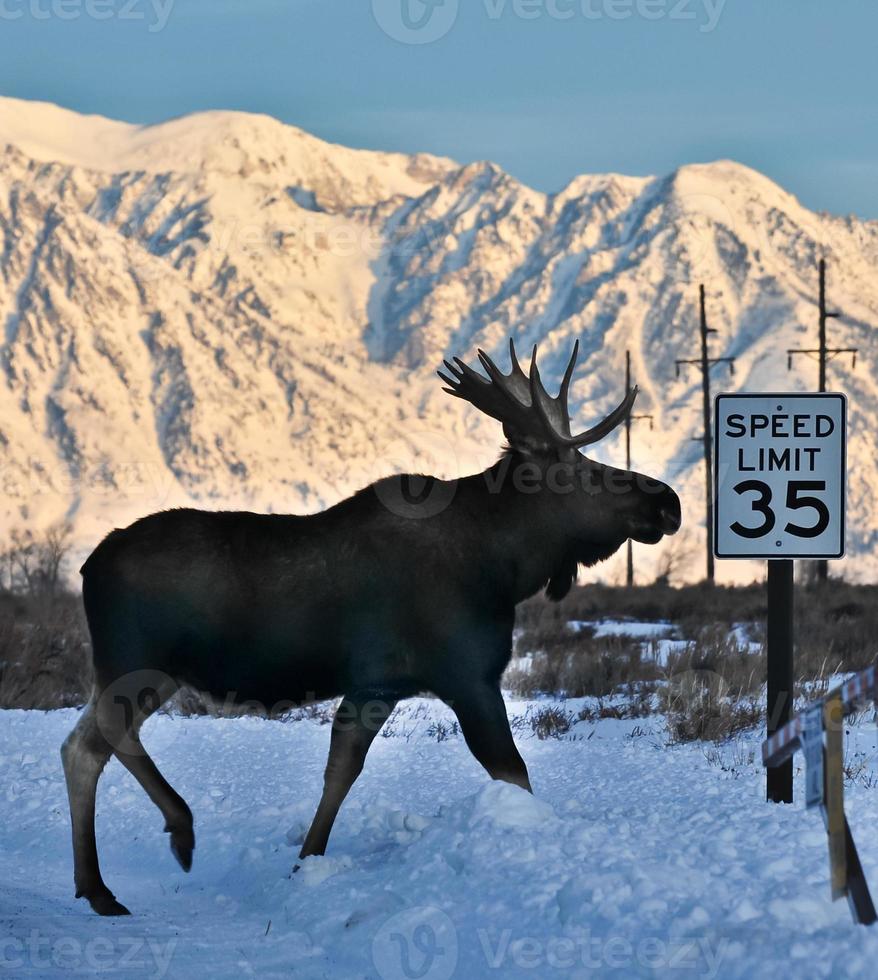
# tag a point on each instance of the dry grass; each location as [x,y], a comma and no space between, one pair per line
[709,689]
[44,652]
[836,622]
[577,664]
[550,721]
[641,705]
[714,686]
[691,606]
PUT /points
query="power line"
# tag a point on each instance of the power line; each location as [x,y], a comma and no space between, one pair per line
[705,363]
[824,355]
[628,420]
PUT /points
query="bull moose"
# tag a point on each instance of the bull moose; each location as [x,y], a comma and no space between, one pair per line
[408,586]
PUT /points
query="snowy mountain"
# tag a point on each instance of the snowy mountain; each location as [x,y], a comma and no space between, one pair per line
[223,309]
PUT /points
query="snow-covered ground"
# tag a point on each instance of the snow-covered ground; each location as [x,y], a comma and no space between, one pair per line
[632,859]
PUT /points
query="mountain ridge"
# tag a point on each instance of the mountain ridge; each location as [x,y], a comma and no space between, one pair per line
[252,316]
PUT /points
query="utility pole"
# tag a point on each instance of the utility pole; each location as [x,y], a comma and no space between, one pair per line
[628,420]
[824,355]
[705,362]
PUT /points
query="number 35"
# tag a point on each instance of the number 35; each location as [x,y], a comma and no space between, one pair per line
[796,500]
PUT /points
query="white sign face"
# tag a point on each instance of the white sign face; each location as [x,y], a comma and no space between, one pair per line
[779,476]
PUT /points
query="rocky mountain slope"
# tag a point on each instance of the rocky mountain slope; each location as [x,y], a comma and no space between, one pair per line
[224,309]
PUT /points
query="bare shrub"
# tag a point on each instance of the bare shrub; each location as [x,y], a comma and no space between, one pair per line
[641,705]
[34,564]
[44,652]
[442,731]
[737,758]
[702,707]
[550,721]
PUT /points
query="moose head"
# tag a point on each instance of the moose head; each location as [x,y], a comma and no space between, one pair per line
[595,507]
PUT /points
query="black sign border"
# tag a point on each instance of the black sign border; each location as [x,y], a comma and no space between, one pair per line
[844,468]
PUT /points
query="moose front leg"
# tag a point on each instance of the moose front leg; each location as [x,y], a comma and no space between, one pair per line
[485,726]
[357,721]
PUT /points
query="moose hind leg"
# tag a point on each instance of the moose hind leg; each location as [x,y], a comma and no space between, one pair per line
[357,721]
[141,702]
[485,726]
[178,817]
[84,754]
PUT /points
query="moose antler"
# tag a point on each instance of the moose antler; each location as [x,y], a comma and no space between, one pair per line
[520,401]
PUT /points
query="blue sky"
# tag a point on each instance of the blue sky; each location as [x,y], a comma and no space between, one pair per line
[546,88]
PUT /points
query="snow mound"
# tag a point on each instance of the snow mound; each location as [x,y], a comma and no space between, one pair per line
[508,807]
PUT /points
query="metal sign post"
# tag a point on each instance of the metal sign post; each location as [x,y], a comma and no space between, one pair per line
[779,636]
[780,495]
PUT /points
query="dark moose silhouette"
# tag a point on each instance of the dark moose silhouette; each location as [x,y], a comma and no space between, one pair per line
[408,586]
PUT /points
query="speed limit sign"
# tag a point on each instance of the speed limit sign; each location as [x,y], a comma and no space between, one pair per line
[780,476]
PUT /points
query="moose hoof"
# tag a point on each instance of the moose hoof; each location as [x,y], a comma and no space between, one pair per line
[182,846]
[104,903]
